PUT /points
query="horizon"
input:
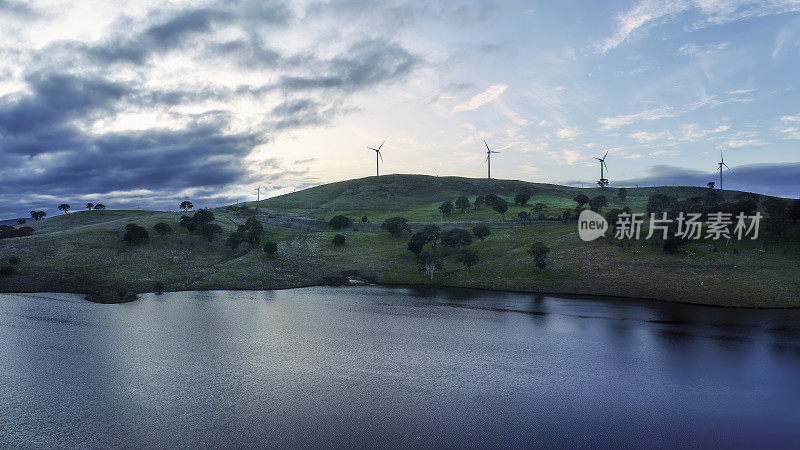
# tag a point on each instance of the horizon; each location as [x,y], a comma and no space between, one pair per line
[163,101]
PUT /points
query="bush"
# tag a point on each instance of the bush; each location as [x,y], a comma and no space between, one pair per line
[364,219]
[522,197]
[581,199]
[417,243]
[162,228]
[396,226]
[339,240]
[21,221]
[500,206]
[234,239]
[456,238]
[446,208]
[340,222]
[597,203]
[210,230]
[539,252]
[462,203]
[481,231]
[270,248]
[134,233]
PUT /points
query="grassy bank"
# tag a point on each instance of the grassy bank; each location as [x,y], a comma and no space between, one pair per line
[84,252]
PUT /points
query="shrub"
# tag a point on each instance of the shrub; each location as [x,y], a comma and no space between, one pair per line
[339,240]
[134,233]
[468,257]
[270,248]
[446,208]
[417,243]
[21,221]
[462,203]
[479,201]
[234,239]
[490,199]
[99,206]
[364,219]
[539,252]
[522,197]
[340,222]
[396,226]
[456,238]
[162,228]
[581,199]
[597,203]
[500,206]
[481,231]
[210,230]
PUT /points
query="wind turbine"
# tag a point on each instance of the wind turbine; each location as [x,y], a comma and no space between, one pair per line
[377,154]
[488,160]
[602,182]
[258,193]
[720,164]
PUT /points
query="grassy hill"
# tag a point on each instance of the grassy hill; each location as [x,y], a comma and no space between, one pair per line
[417,197]
[84,252]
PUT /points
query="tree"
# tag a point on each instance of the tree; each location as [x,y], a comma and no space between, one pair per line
[186,205]
[490,199]
[234,239]
[711,184]
[456,238]
[660,203]
[339,240]
[417,243]
[597,203]
[622,193]
[134,233]
[364,219]
[162,228]
[468,257]
[479,201]
[99,206]
[430,262]
[539,207]
[566,216]
[210,230]
[340,222]
[500,206]
[521,198]
[396,226]
[270,248]
[481,232]
[446,208]
[64,207]
[38,215]
[462,203]
[581,199]
[89,205]
[430,233]
[524,216]
[253,230]
[188,223]
[203,217]
[539,252]
[21,221]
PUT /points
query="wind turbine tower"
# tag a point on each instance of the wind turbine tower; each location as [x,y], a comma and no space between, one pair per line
[488,160]
[602,182]
[377,155]
[258,193]
[720,164]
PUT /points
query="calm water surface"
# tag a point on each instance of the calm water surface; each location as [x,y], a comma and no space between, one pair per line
[394,367]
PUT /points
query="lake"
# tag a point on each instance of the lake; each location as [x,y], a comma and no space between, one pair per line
[377,366]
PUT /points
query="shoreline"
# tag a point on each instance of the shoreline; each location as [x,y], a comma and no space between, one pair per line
[129,298]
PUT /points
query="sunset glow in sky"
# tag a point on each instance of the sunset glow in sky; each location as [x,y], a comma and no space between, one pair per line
[147,103]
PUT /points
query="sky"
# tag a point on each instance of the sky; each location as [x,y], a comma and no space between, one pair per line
[144,104]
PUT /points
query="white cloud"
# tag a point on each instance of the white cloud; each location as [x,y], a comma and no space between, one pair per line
[568,156]
[644,15]
[568,133]
[478,100]
[794,119]
[695,50]
[652,114]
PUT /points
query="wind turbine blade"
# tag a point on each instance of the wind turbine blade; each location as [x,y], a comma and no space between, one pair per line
[604,156]
[598,159]
[381,146]
[373,149]
[487,145]
[487,158]
[605,165]
[726,166]
[379,154]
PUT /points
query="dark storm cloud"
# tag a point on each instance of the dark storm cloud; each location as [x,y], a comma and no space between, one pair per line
[48,146]
[17,8]
[771,179]
[56,99]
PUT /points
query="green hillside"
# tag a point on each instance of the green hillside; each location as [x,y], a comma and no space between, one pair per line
[84,251]
[417,197]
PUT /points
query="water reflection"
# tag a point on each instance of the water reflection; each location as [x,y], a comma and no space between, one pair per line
[402,366]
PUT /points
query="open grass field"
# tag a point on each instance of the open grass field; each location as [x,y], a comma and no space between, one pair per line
[84,252]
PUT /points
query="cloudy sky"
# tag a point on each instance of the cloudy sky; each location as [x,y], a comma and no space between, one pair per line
[145,103]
